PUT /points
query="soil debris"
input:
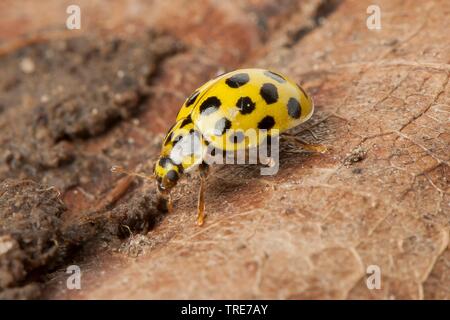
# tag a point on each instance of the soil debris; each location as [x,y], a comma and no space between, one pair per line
[30,237]
[58,91]
[356,155]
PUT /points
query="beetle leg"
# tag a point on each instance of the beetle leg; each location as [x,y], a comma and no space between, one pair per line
[306,145]
[203,167]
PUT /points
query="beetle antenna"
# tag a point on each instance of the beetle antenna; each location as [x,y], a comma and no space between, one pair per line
[119,169]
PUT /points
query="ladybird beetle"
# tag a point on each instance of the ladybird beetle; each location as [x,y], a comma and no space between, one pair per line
[219,113]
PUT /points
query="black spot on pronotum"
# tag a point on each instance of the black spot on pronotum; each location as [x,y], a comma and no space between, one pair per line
[192,98]
[275,76]
[221,126]
[237,137]
[294,109]
[266,123]
[186,121]
[172,175]
[210,105]
[237,80]
[177,139]
[245,105]
[269,93]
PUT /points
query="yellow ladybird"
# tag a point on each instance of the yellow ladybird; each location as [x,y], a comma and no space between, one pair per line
[220,113]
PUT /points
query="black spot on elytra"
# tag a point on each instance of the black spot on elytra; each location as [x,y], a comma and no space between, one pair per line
[210,105]
[266,123]
[294,109]
[186,121]
[245,105]
[192,98]
[237,137]
[164,161]
[269,93]
[221,126]
[275,76]
[172,175]
[237,80]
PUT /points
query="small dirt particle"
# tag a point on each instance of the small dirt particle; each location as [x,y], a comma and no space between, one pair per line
[289,211]
[27,66]
[136,245]
[356,155]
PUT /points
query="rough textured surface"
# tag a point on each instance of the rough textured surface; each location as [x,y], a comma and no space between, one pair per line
[380,196]
[73,89]
[29,233]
